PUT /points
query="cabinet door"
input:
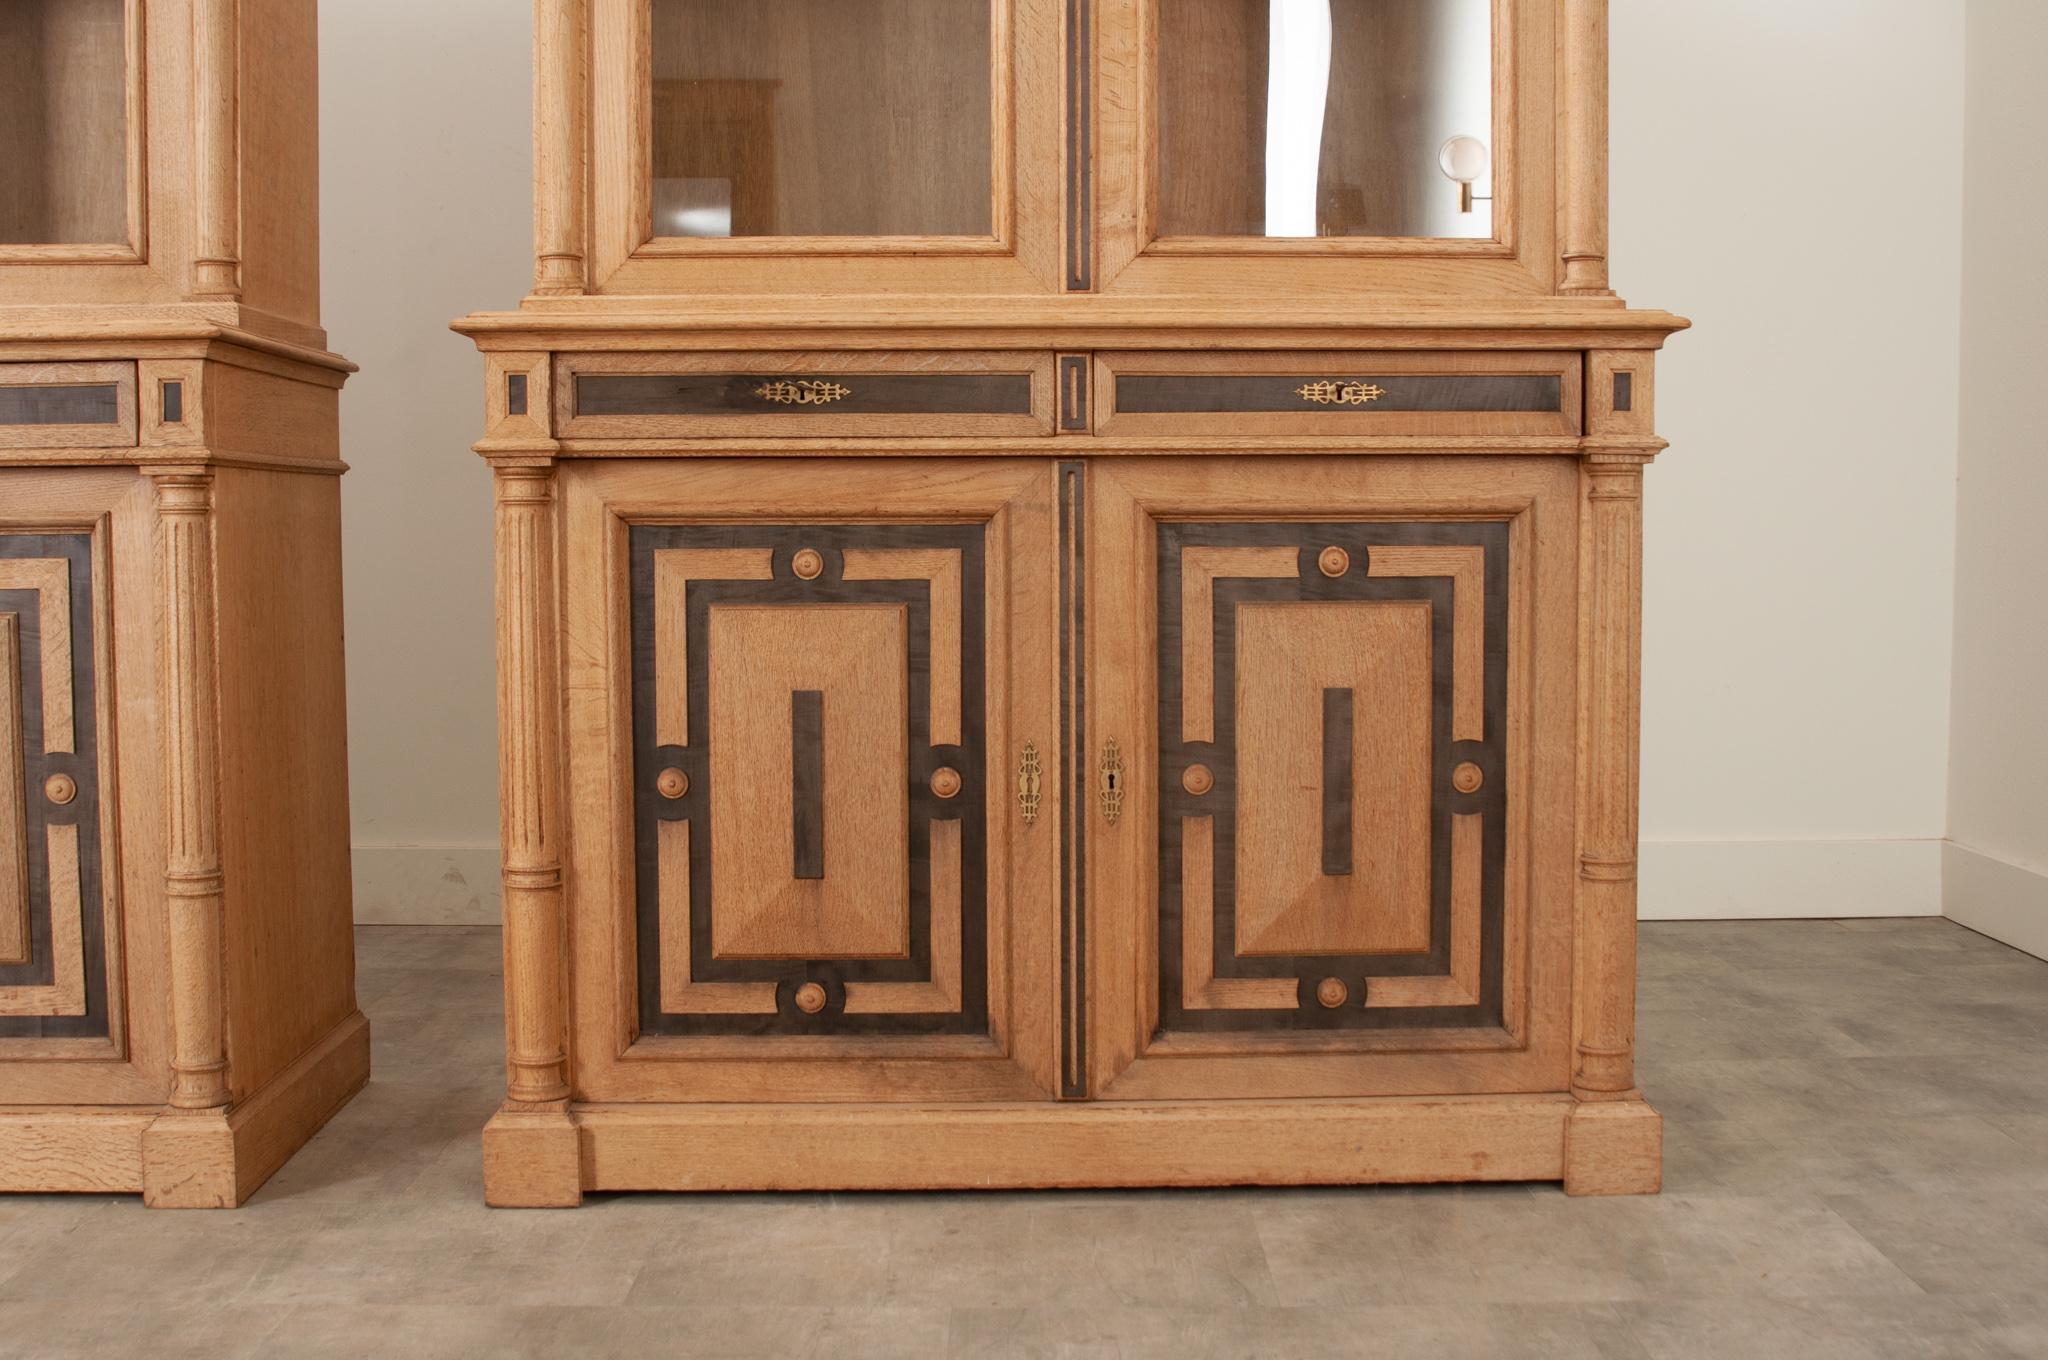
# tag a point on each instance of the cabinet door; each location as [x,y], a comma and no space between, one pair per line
[60,993]
[799,693]
[1342,694]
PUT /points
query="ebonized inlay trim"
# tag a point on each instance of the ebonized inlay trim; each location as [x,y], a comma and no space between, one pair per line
[1338,707]
[807,761]
[725,394]
[82,765]
[1080,146]
[61,404]
[1220,393]
[515,394]
[1624,391]
[174,402]
[1074,808]
[1074,393]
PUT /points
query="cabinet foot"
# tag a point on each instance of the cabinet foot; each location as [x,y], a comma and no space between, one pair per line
[1614,1148]
[532,1159]
[216,1159]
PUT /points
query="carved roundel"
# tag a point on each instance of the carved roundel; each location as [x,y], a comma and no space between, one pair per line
[808,714]
[53,912]
[1339,860]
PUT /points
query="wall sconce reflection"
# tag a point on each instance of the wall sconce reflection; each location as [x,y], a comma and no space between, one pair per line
[1465,160]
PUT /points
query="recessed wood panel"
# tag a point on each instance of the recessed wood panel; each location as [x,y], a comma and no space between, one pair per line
[853,663]
[66,406]
[810,769]
[1290,658]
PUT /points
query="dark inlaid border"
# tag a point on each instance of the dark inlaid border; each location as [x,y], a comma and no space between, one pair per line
[1075,807]
[1220,756]
[1224,393]
[61,404]
[1625,391]
[83,811]
[174,401]
[1080,146]
[725,394]
[969,759]
[515,394]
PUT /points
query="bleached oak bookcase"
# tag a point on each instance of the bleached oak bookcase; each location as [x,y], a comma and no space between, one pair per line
[177,983]
[1068,599]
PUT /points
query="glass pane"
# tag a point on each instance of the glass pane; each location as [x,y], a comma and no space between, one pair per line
[822,118]
[63,122]
[1325,118]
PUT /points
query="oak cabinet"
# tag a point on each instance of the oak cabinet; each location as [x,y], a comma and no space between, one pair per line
[177,990]
[1088,645]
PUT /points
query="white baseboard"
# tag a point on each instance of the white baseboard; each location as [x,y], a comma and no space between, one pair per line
[426,885]
[1764,880]
[445,885]
[1995,898]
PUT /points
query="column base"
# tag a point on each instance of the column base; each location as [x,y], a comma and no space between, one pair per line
[1614,1147]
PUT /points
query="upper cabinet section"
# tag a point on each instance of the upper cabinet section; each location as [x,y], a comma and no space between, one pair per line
[161,152]
[1264,151]
[69,96]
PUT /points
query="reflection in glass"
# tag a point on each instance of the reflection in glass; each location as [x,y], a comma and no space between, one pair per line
[63,122]
[1294,118]
[822,118]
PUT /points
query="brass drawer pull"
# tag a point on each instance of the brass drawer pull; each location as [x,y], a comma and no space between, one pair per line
[1351,392]
[802,392]
[1030,783]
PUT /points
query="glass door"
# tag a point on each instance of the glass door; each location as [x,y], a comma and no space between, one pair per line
[65,113]
[822,118]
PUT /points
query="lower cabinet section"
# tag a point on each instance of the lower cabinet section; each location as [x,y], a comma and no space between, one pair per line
[177,1010]
[974,823]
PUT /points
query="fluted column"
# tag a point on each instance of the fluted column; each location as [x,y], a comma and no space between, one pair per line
[1585,149]
[560,150]
[216,158]
[529,767]
[194,886]
[1604,1066]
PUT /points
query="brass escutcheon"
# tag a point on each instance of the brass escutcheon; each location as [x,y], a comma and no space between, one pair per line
[1112,782]
[1349,392]
[802,392]
[1030,783]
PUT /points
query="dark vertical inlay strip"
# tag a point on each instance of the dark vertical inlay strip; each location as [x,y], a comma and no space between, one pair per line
[1337,720]
[1080,148]
[515,394]
[174,402]
[1074,392]
[1624,391]
[1074,806]
[807,759]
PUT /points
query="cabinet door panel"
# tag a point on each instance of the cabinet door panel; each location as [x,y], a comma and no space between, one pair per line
[1355,680]
[826,890]
[55,924]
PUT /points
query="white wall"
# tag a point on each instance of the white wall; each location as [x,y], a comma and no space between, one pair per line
[1786,172]
[426,136]
[1997,879]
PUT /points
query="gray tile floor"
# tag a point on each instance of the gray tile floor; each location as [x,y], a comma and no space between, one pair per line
[1857,1166]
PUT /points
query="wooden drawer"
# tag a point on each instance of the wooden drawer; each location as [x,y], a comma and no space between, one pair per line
[656,396]
[67,406]
[1344,392]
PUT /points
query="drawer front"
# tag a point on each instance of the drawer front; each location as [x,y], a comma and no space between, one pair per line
[782,395]
[1339,393]
[67,406]
[54,925]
